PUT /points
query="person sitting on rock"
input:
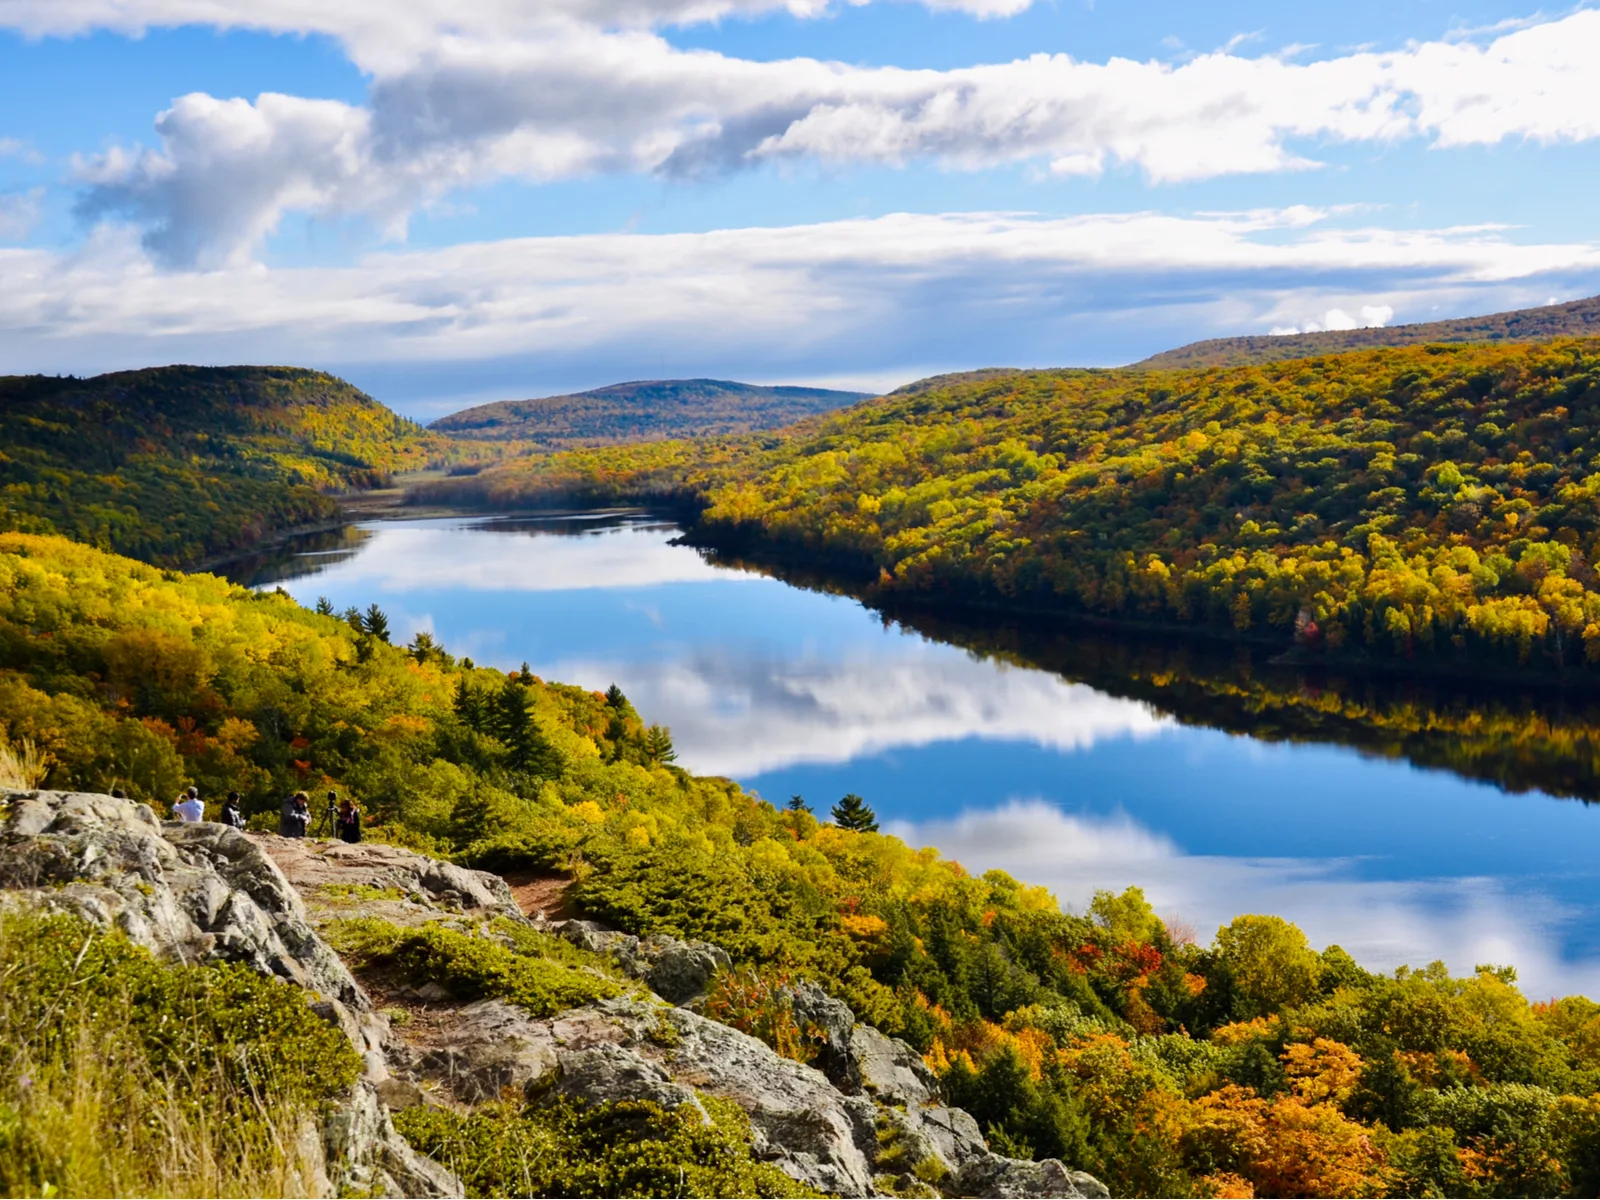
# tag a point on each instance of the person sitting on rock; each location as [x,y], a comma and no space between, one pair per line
[296,816]
[232,814]
[189,807]
[349,821]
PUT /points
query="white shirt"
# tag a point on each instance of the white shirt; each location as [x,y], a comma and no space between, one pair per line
[190,810]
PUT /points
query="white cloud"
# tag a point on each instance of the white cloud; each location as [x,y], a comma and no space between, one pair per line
[19,213]
[557,98]
[1372,316]
[858,295]
[382,35]
[417,554]
[229,169]
[744,716]
[1384,923]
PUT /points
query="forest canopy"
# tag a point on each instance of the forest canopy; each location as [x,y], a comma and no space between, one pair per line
[1432,505]
[1251,1064]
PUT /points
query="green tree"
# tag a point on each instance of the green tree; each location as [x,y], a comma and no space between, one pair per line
[1270,964]
[324,606]
[658,744]
[375,622]
[530,751]
[852,813]
[797,803]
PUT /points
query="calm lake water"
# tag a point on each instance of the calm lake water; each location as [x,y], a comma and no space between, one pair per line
[795,691]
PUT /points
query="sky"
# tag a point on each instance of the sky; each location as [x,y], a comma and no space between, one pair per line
[455,201]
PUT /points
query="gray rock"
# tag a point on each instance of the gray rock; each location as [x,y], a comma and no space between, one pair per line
[607,1071]
[677,971]
[190,892]
[373,1159]
[1010,1177]
[832,1021]
[889,1070]
[307,863]
[491,1048]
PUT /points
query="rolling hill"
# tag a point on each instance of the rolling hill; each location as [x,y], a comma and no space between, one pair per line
[647,410]
[1579,318]
[175,464]
[1413,505]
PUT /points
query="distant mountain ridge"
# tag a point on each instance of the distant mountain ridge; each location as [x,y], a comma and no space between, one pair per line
[1577,318]
[644,410]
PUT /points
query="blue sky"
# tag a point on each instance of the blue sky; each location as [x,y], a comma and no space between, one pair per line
[457,201]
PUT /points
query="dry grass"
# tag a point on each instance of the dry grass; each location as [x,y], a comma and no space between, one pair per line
[96,1100]
[22,766]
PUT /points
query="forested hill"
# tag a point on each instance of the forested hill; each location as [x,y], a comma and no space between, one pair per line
[1246,1063]
[173,464]
[1580,318]
[1433,505]
[644,411]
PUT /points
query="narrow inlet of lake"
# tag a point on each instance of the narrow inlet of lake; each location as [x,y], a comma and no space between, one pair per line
[1220,805]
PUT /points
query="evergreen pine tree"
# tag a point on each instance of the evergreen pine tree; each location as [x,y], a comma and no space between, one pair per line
[615,698]
[375,622]
[530,751]
[852,813]
[658,744]
[324,606]
[797,803]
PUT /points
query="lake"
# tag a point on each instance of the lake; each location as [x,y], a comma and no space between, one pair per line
[1072,761]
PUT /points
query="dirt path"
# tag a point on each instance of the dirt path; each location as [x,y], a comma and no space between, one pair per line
[546,895]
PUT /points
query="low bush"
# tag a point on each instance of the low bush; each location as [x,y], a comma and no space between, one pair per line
[470,966]
[124,1075]
[623,1148]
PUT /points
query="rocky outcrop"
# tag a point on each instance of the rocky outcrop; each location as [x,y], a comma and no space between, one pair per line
[631,1048]
[192,892]
[834,1141]
[677,971]
[867,1108]
[308,863]
[205,892]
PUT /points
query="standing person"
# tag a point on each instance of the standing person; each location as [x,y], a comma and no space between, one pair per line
[189,807]
[232,814]
[296,816]
[349,821]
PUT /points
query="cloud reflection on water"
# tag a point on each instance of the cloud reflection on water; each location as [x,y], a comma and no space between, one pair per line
[417,555]
[1383,923]
[743,716]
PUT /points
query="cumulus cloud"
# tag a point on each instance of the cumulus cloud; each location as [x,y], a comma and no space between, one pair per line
[861,294]
[1371,316]
[565,98]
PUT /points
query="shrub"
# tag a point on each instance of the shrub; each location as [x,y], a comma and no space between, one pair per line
[615,1149]
[470,966]
[127,1075]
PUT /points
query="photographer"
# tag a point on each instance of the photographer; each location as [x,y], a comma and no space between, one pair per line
[349,821]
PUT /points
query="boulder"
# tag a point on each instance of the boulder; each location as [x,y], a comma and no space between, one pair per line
[632,1048]
[191,892]
[489,1048]
[890,1070]
[994,1176]
[428,881]
[677,971]
[368,1156]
